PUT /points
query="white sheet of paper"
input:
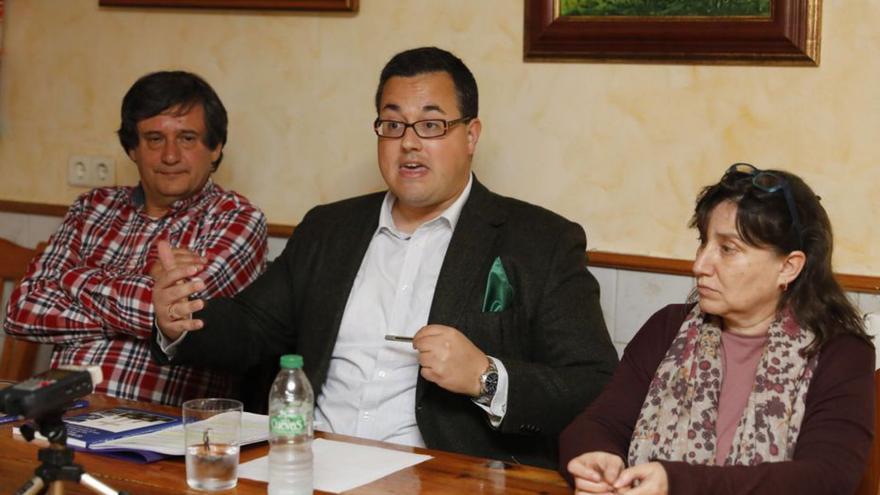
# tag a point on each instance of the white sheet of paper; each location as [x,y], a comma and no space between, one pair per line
[254,428]
[341,466]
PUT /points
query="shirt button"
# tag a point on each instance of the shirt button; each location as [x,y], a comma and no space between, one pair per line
[381,374]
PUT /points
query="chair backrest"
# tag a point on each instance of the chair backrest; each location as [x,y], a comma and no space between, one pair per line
[870,484]
[19,357]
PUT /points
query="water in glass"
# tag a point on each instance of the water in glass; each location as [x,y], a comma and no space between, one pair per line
[212,467]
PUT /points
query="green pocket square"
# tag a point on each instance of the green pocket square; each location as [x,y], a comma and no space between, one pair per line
[499,292]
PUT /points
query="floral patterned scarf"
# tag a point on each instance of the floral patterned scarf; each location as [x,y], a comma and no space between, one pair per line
[677,421]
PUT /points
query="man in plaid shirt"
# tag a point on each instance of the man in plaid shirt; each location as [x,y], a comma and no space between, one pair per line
[89,292]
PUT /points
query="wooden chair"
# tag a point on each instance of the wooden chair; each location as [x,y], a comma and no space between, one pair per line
[19,356]
[870,484]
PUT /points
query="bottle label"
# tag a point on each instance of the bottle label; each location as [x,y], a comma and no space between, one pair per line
[288,423]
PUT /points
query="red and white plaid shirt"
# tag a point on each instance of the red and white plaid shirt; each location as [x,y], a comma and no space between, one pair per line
[89,293]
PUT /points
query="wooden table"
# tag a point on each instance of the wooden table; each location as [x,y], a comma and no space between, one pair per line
[445,473]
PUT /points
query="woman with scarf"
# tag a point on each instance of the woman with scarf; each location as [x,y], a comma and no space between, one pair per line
[763,384]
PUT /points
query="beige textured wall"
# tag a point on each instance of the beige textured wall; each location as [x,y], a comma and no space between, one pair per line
[622,149]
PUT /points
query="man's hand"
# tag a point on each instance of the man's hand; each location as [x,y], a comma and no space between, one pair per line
[596,473]
[646,479]
[450,359]
[179,257]
[171,290]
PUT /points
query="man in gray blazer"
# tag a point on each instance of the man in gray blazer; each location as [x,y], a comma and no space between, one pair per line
[508,340]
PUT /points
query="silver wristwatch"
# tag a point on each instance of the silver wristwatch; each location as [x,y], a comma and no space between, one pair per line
[488,384]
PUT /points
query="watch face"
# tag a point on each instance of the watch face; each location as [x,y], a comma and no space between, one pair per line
[491,383]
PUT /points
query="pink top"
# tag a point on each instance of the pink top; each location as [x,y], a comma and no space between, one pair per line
[740,357]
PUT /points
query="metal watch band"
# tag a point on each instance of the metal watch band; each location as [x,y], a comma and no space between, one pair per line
[488,384]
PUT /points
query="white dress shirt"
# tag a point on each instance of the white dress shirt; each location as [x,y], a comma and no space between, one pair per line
[370,389]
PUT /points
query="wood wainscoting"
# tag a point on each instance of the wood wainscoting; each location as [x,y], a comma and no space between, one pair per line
[632,262]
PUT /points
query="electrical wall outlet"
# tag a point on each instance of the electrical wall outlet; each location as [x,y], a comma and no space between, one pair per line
[78,170]
[105,171]
[91,171]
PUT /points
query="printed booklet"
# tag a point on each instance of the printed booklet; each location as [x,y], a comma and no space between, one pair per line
[93,428]
[142,436]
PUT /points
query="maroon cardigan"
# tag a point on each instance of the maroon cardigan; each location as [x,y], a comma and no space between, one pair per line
[831,451]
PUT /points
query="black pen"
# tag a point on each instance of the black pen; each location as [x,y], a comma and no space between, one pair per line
[398,338]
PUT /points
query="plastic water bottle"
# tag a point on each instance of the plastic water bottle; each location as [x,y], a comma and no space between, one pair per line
[291,410]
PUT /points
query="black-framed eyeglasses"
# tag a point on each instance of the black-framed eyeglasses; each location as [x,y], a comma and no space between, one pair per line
[429,128]
[769,182]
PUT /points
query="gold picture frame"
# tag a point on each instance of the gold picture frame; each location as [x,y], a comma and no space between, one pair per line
[319,5]
[790,35]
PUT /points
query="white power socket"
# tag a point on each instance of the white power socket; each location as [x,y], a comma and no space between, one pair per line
[91,171]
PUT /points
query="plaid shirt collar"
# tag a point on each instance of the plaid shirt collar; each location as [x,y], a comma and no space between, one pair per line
[137,198]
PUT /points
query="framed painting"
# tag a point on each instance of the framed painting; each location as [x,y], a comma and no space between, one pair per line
[329,5]
[780,32]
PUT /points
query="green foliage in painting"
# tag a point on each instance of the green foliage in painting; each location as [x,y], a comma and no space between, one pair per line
[666,7]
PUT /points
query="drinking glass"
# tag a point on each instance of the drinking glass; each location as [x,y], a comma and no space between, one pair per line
[212,428]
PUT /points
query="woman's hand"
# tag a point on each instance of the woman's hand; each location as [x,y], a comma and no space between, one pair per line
[645,479]
[595,472]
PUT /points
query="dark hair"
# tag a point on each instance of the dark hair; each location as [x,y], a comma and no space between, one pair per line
[763,220]
[159,92]
[432,59]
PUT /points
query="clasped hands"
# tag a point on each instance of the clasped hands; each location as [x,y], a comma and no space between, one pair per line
[173,283]
[601,473]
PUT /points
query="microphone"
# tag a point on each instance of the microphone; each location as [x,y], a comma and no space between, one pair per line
[49,391]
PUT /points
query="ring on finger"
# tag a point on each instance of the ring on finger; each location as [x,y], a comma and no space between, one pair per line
[171,313]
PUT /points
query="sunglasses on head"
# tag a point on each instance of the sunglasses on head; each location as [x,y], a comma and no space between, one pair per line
[768,182]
